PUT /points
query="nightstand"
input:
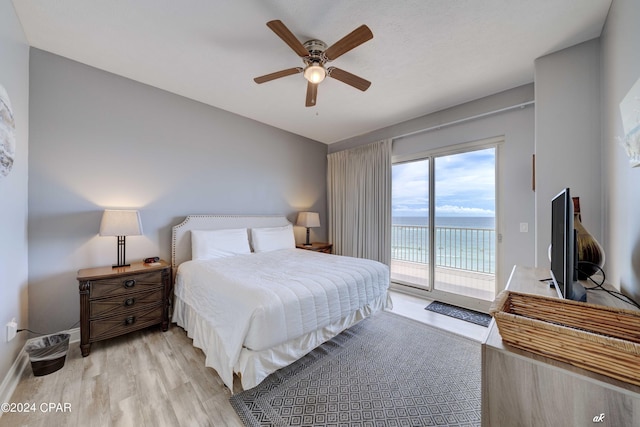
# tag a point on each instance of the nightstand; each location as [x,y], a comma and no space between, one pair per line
[116,301]
[317,247]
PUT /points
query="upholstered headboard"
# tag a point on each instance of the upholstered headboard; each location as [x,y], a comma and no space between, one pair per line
[181,233]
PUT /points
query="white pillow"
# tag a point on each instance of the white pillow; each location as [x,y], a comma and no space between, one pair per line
[209,244]
[272,238]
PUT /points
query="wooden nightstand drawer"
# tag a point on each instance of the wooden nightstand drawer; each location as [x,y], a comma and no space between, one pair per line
[124,323]
[116,306]
[125,284]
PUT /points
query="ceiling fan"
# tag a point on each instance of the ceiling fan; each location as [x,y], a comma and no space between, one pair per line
[315,54]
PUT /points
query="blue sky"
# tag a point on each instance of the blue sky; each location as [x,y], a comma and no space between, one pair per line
[464,185]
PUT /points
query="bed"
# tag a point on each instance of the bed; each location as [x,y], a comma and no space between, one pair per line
[257,307]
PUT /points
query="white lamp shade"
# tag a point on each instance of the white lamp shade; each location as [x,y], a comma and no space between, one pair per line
[315,73]
[308,219]
[120,223]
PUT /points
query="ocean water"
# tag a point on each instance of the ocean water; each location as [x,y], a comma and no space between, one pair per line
[467,243]
[448,221]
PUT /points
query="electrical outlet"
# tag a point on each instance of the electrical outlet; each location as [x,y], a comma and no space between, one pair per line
[12,329]
[524,227]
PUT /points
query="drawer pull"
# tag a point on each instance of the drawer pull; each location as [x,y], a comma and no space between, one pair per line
[129,283]
[129,302]
[130,320]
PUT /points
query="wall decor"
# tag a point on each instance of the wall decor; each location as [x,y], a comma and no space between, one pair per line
[7,134]
[588,250]
[630,112]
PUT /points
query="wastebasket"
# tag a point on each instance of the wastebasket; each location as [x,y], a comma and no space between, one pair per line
[47,354]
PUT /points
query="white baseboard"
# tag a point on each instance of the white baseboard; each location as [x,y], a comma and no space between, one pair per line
[12,378]
[75,335]
[21,363]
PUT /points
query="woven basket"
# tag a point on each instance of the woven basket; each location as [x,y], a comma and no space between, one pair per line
[600,339]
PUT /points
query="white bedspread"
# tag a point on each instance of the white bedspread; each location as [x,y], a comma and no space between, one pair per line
[260,300]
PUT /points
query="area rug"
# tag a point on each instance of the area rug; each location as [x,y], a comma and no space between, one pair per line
[385,371]
[467,315]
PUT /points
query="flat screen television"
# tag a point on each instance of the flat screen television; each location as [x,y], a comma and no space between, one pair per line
[562,255]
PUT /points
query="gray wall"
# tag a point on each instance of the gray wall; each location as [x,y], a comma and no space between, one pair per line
[621,195]
[568,137]
[101,141]
[459,113]
[14,76]
[515,195]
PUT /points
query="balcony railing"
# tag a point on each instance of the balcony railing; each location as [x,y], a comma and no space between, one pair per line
[471,249]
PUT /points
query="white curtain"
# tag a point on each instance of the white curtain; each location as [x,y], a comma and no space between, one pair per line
[359,192]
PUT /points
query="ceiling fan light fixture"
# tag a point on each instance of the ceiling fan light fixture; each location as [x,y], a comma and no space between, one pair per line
[315,54]
[315,73]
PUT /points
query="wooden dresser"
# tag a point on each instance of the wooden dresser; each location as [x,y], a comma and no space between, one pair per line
[520,388]
[116,301]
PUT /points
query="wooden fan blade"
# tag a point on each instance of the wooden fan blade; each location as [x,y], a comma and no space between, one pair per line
[312,92]
[277,75]
[287,36]
[348,42]
[348,78]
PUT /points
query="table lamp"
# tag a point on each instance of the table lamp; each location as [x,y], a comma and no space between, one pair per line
[120,223]
[308,220]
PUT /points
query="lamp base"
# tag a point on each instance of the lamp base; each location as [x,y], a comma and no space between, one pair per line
[120,265]
[121,247]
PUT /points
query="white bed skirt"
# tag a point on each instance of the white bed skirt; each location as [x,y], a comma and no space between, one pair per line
[255,366]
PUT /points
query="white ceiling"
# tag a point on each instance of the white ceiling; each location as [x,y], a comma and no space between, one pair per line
[426,55]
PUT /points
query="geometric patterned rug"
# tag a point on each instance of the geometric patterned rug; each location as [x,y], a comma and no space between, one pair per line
[387,370]
[465,314]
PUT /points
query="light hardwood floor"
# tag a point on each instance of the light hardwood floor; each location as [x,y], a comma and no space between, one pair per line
[151,378]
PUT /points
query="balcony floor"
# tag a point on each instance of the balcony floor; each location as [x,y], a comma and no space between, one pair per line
[462,282]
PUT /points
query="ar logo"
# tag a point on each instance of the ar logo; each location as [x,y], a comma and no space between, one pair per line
[598,418]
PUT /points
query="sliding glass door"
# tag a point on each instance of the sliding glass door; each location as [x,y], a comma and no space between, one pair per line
[444,222]
[410,254]
[465,232]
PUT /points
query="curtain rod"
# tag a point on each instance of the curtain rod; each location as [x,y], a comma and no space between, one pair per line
[465,119]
